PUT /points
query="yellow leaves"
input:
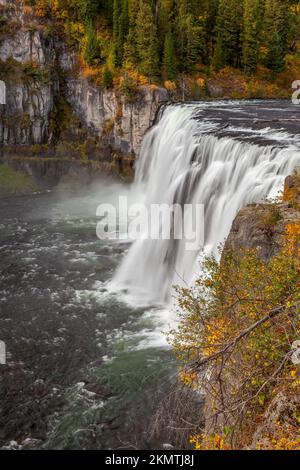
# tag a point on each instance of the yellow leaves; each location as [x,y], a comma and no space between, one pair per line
[229,299]
[206,442]
[261,399]
[188,378]
[43,8]
[170,85]
[76,31]
[282,436]
[215,335]
[293,239]
[294,374]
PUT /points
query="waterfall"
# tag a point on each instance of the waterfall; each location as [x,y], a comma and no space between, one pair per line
[187,159]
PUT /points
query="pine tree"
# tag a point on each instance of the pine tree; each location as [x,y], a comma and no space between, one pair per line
[229,30]
[86,10]
[276,33]
[165,22]
[169,57]
[92,52]
[275,57]
[147,44]
[107,77]
[120,29]
[251,35]
[130,57]
[209,15]
[191,36]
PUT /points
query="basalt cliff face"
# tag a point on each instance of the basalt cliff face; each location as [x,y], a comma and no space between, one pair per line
[52,109]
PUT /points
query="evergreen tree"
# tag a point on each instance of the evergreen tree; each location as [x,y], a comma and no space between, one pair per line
[251,35]
[191,36]
[169,57]
[107,77]
[120,29]
[130,58]
[165,14]
[92,52]
[276,33]
[275,57]
[174,36]
[86,10]
[210,11]
[229,32]
[147,44]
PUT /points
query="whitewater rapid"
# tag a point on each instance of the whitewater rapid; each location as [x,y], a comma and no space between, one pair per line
[190,158]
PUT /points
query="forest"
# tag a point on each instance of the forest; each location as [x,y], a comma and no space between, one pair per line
[162,39]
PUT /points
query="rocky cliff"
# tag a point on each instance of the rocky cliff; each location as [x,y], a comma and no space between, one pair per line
[49,101]
[261,226]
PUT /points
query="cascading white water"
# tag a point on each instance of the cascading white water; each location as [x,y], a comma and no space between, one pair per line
[184,160]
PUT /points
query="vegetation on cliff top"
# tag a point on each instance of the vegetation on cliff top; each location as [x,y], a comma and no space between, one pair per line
[183,43]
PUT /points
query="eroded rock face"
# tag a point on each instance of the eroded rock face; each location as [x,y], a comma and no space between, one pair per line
[104,112]
[27,113]
[25,46]
[261,227]
[25,118]
[291,191]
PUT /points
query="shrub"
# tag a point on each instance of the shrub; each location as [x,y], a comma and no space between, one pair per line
[107,78]
[92,51]
[129,88]
[234,339]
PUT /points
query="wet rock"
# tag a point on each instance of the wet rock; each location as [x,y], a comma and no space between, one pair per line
[100,391]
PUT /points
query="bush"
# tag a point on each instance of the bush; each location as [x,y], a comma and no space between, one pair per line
[237,327]
[92,51]
[107,78]
[129,88]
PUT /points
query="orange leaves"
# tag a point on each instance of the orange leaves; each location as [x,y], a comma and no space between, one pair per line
[249,369]
[201,82]
[188,378]
[214,442]
[170,85]
[216,335]
[283,436]
[293,239]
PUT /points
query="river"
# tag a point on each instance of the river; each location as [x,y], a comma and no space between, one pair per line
[83,319]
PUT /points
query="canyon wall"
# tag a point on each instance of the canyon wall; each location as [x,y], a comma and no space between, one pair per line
[46,90]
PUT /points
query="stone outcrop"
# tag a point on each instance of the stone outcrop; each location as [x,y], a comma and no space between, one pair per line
[105,112]
[26,118]
[25,46]
[261,226]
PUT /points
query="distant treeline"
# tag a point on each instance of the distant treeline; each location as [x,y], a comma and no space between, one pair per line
[162,38]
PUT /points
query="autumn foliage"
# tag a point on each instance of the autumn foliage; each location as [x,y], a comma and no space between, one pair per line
[238,325]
